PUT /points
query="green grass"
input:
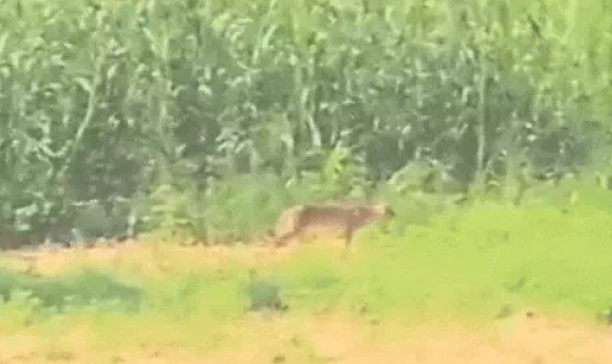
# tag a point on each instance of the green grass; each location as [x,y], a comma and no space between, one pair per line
[84,288]
[471,263]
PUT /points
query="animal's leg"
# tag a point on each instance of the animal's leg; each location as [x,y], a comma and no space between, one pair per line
[348,237]
[352,224]
[348,240]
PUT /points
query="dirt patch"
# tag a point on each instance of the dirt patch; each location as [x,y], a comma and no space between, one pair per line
[150,256]
[518,339]
[341,342]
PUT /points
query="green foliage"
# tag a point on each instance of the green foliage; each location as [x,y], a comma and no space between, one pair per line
[244,207]
[173,213]
[97,100]
[222,214]
[341,172]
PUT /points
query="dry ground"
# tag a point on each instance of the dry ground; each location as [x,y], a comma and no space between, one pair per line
[530,338]
[517,340]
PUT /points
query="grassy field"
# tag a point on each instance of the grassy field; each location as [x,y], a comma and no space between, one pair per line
[469,269]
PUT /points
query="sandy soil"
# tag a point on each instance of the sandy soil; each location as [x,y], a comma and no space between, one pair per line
[156,256]
[515,340]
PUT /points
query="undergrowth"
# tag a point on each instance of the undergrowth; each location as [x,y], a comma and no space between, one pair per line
[481,261]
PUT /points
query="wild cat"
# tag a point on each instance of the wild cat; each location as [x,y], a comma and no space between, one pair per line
[342,219]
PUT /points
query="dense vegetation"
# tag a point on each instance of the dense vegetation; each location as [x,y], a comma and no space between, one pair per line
[188,114]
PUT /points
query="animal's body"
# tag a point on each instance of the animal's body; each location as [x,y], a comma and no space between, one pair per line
[342,219]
